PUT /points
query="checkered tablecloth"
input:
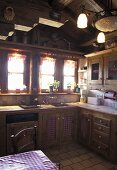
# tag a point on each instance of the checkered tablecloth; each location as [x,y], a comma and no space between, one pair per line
[33,160]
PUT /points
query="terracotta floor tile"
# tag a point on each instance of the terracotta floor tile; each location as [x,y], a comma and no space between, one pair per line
[95,160]
[64,156]
[77,166]
[100,167]
[66,162]
[86,163]
[76,159]
[84,157]
[90,168]
[66,168]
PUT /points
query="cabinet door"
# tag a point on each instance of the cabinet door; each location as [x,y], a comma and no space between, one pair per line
[50,125]
[110,76]
[24,139]
[68,125]
[95,71]
[84,130]
[2,134]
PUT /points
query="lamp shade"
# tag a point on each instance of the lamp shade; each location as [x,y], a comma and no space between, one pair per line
[82,21]
[101,38]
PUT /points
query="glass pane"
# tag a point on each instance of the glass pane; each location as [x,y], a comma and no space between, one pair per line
[112,70]
[16,65]
[45,80]
[95,71]
[69,67]
[47,66]
[69,81]
[15,81]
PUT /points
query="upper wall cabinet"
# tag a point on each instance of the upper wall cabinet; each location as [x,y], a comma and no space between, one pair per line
[95,71]
[102,67]
[110,69]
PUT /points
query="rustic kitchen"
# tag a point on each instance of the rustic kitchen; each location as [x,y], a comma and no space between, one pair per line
[58,83]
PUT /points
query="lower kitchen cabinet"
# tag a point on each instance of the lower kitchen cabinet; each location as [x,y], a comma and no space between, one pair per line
[101,135]
[58,126]
[49,128]
[2,134]
[98,131]
[84,126]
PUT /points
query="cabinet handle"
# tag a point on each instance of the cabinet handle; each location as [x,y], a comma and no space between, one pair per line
[89,120]
[99,147]
[100,121]
[58,118]
[99,128]
[63,118]
[99,136]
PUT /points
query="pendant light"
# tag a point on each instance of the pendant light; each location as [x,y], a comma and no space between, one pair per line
[101,37]
[104,21]
[82,21]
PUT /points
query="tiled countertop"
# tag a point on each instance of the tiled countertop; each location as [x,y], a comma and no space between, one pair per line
[100,108]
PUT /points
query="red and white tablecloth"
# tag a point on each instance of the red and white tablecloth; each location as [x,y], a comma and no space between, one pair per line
[33,160]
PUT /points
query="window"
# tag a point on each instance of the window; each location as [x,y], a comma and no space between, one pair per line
[16,71]
[69,73]
[47,72]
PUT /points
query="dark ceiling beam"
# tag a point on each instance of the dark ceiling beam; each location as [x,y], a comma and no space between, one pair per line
[96,5]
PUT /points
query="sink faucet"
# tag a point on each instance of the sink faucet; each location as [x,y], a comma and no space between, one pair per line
[49,99]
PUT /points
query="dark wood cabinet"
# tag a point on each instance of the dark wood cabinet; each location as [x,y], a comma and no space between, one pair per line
[68,126]
[101,135]
[98,131]
[84,127]
[2,134]
[50,128]
[58,126]
[102,68]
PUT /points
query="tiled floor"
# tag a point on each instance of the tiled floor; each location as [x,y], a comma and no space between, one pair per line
[77,157]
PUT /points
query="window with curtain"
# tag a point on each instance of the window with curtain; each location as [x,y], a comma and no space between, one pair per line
[47,70]
[16,71]
[69,73]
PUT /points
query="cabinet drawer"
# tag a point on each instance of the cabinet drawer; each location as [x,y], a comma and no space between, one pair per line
[100,148]
[101,121]
[101,128]
[101,137]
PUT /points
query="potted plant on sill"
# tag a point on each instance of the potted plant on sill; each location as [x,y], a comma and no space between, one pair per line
[53,87]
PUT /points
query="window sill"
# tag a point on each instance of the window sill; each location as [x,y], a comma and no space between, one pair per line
[29,94]
[14,94]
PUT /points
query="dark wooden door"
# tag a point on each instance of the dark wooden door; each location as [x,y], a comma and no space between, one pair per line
[84,131]
[50,129]
[68,125]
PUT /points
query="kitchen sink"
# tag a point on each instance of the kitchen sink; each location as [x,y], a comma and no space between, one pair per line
[59,104]
[29,106]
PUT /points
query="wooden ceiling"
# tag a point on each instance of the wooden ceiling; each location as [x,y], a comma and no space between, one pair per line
[27,13]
